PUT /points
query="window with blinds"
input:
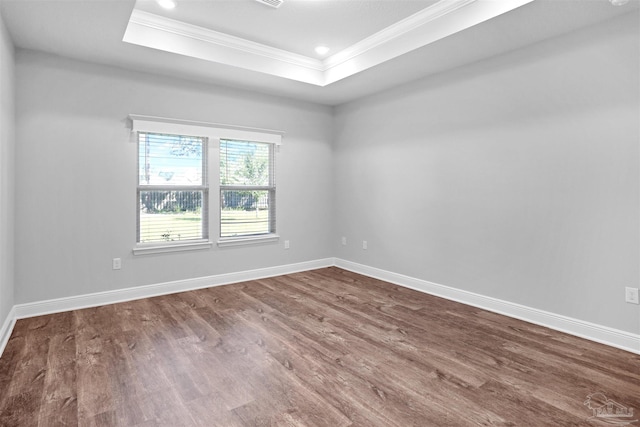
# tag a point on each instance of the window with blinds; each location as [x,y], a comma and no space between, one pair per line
[172,188]
[247,188]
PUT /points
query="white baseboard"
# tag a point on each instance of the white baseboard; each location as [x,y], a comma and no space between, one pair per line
[7,328]
[601,334]
[129,294]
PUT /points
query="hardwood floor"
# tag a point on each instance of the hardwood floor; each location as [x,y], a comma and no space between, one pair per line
[320,348]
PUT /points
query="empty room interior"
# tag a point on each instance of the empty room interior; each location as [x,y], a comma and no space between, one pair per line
[319,212]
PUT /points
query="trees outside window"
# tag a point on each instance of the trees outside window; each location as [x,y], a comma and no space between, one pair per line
[172,188]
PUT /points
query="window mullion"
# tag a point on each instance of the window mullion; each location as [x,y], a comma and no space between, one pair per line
[247,187]
[172,187]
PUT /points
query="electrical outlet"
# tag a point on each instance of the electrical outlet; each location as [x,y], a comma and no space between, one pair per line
[344,241]
[117,264]
[286,244]
[631,295]
[364,244]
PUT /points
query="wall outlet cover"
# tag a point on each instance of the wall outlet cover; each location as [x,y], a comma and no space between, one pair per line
[631,295]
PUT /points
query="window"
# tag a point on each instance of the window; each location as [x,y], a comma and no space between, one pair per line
[247,189]
[175,169]
[172,189]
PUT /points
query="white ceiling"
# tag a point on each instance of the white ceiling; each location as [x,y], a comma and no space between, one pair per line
[93,30]
[296,26]
[360,50]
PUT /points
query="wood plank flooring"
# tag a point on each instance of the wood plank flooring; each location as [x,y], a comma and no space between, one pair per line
[319,348]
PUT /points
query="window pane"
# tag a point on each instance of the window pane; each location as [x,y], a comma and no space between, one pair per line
[245,213]
[244,163]
[167,216]
[170,160]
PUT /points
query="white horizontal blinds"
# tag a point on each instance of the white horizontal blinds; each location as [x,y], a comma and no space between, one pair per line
[172,188]
[247,188]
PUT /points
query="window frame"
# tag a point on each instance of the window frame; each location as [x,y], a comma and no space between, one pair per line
[178,245]
[269,236]
[214,132]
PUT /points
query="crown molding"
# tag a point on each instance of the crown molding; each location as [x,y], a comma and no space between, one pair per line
[427,26]
[172,26]
[400,28]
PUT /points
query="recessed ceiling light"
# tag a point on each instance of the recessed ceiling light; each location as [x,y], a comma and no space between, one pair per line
[619,2]
[272,3]
[167,4]
[322,50]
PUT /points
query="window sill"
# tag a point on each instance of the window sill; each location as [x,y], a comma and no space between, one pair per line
[247,240]
[148,249]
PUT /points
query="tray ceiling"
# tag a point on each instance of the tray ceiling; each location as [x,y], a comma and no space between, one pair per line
[368,32]
[296,26]
[375,44]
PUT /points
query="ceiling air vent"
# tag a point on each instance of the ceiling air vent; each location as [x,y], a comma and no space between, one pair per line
[272,3]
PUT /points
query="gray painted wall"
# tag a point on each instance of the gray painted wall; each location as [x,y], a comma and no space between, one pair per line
[76,175]
[7,145]
[516,177]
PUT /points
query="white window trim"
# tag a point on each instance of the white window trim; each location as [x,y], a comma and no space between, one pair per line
[248,240]
[155,248]
[211,130]
[214,132]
